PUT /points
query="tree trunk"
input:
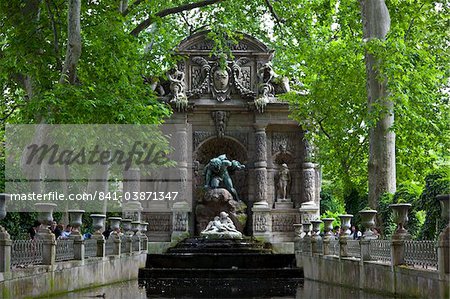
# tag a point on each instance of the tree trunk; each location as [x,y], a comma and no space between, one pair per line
[73,43]
[381,168]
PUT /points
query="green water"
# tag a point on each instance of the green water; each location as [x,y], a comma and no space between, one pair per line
[269,288]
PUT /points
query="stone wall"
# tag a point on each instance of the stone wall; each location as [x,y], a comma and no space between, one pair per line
[70,276]
[374,277]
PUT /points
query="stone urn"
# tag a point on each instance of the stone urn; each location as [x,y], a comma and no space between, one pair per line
[45,212]
[98,222]
[444,200]
[306,229]
[401,217]
[3,198]
[368,221]
[126,226]
[346,224]
[144,227]
[75,218]
[135,226]
[114,223]
[316,227]
[328,226]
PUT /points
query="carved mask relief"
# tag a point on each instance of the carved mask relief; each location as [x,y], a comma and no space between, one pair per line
[221,83]
[221,79]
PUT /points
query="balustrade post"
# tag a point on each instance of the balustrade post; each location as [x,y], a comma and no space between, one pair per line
[345,235]
[45,217]
[126,224]
[444,236]
[297,238]
[328,235]
[136,239]
[5,239]
[316,238]
[75,217]
[117,243]
[307,244]
[5,250]
[368,221]
[144,237]
[98,222]
[401,234]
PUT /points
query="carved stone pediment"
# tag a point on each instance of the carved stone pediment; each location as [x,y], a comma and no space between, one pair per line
[244,75]
[199,42]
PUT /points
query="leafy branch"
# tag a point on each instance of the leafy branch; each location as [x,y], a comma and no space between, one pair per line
[170,11]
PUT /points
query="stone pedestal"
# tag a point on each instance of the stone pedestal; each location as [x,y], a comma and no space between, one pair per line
[78,246]
[100,243]
[180,220]
[5,250]
[48,246]
[365,249]
[284,205]
[262,222]
[309,211]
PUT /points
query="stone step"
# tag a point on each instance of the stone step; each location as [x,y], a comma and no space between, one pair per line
[235,287]
[182,273]
[220,261]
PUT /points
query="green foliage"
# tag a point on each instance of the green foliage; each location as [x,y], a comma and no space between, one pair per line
[386,223]
[329,203]
[437,182]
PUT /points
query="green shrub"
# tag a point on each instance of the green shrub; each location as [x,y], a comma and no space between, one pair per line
[437,182]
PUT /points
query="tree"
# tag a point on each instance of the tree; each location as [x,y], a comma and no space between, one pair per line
[47,75]
[381,169]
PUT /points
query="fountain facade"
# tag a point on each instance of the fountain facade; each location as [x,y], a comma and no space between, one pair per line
[232,106]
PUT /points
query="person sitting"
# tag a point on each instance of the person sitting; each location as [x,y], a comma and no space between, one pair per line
[66,233]
[33,230]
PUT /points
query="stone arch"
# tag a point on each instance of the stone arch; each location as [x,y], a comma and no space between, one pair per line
[235,150]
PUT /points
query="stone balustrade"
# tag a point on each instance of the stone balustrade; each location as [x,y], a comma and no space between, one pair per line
[45,250]
[400,250]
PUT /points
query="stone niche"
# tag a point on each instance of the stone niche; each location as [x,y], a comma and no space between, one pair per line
[233,108]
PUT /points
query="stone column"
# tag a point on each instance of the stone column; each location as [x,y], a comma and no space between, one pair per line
[309,183]
[180,220]
[5,250]
[131,183]
[260,166]
[181,146]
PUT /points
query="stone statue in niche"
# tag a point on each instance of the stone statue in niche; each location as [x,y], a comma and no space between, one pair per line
[222,227]
[220,120]
[177,89]
[216,171]
[284,179]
